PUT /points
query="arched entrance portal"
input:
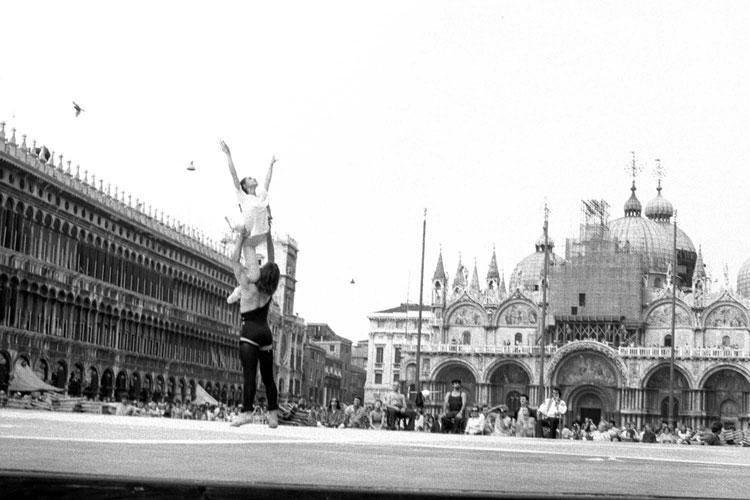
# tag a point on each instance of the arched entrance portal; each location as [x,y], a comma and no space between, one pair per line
[657,393]
[589,384]
[590,401]
[727,396]
[507,382]
[442,383]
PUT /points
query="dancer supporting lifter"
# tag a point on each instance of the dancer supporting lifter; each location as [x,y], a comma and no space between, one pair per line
[257,285]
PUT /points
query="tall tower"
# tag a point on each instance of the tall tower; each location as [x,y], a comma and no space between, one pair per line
[285,250]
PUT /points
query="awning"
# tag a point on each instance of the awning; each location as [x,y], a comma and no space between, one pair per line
[202,397]
[25,380]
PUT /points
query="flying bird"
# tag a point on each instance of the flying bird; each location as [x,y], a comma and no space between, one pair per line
[191,167]
[77,108]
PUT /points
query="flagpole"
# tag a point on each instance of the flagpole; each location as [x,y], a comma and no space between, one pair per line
[543,322]
[419,317]
[670,412]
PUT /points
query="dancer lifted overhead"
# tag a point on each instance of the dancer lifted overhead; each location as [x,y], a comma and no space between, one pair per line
[257,285]
[253,201]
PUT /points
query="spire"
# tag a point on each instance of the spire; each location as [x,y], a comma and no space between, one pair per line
[474,287]
[439,269]
[492,272]
[700,268]
[501,288]
[459,280]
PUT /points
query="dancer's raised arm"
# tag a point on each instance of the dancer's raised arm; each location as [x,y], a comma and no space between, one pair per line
[232,170]
[267,183]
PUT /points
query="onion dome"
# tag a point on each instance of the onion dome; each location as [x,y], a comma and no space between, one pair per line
[743,279]
[528,273]
[632,206]
[659,209]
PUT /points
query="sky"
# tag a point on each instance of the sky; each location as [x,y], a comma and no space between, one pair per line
[479,112]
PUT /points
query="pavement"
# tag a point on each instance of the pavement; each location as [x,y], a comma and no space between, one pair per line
[73,455]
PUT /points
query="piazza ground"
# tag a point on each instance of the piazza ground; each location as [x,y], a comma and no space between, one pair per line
[48,454]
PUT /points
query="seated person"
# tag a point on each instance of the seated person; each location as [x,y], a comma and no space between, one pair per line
[355,415]
[713,436]
[475,422]
[648,435]
[334,415]
[601,433]
[504,424]
[396,408]
[454,407]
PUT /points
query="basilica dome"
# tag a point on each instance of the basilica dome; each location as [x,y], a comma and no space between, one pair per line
[528,273]
[641,235]
[743,279]
[653,236]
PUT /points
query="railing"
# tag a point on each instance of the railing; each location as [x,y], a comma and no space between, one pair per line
[518,350]
[627,352]
[684,352]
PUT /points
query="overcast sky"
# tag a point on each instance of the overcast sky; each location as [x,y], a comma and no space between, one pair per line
[477,111]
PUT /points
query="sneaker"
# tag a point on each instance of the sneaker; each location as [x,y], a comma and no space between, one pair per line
[242,419]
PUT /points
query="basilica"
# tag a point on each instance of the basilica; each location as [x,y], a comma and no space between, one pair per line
[607,334]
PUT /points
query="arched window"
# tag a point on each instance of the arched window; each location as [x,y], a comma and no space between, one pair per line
[668,340]
[725,341]
[467,337]
[519,338]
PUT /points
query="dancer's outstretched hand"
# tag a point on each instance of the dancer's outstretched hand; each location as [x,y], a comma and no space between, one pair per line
[225,148]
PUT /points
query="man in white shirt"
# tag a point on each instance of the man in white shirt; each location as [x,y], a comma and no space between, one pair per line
[551,411]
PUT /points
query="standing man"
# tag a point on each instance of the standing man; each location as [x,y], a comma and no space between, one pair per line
[454,407]
[525,418]
[552,410]
[395,408]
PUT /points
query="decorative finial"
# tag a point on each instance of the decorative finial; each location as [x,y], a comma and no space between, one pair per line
[51,159]
[109,185]
[634,168]
[33,148]
[23,143]
[117,188]
[659,173]
[85,176]
[130,200]
[60,164]
[2,131]
[68,171]
[93,181]
[13,137]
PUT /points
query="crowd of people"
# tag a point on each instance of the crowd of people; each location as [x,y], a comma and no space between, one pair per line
[393,412]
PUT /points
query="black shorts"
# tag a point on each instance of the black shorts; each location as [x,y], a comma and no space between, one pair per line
[258,335]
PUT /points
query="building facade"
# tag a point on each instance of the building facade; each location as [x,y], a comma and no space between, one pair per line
[342,379]
[607,335]
[104,298]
